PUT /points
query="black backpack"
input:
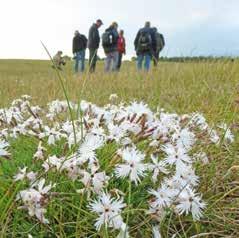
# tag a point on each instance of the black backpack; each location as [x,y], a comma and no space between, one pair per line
[108,39]
[145,41]
[84,41]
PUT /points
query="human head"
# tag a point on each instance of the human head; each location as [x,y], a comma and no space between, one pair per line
[59,52]
[154,29]
[121,32]
[114,25]
[77,33]
[147,24]
[99,23]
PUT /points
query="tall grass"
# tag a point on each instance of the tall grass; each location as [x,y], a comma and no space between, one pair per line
[183,87]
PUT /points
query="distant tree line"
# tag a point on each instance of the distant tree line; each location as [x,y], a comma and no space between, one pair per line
[193,59]
[196,59]
[179,59]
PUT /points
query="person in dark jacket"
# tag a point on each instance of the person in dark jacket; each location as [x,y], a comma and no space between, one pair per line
[78,48]
[144,41]
[121,46]
[93,43]
[110,41]
[158,46]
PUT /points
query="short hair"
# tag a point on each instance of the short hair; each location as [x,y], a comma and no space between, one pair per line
[99,21]
[121,31]
[114,24]
[147,24]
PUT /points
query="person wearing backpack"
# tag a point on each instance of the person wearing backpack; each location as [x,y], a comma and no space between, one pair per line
[121,48]
[109,43]
[159,45]
[143,43]
[78,47]
[93,44]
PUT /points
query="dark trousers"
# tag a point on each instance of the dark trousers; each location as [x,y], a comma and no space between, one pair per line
[156,57]
[92,59]
[120,56]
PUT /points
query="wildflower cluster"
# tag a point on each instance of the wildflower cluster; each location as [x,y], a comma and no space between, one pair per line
[160,149]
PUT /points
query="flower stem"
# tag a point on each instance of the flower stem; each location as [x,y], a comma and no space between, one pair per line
[129,201]
[106,235]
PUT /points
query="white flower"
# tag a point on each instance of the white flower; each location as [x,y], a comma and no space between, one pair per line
[84,105]
[139,109]
[199,120]
[40,186]
[184,138]
[52,134]
[96,180]
[227,133]
[187,201]
[3,149]
[4,132]
[175,154]
[186,176]
[156,212]
[39,155]
[133,167]
[53,161]
[87,149]
[109,211]
[162,197]
[22,174]
[125,141]
[213,136]
[56,107]
[19,130]
[34,198]
[116,132]
[157,167]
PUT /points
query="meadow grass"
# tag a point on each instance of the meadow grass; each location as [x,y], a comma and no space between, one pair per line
[207,87]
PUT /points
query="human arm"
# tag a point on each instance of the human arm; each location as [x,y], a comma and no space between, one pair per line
[136,40]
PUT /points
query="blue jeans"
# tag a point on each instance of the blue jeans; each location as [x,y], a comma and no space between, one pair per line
[146,58]
[80,61]
[111,61]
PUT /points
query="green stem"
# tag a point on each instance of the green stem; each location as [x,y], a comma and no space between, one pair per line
[106,235]
[78,215]
[129,201]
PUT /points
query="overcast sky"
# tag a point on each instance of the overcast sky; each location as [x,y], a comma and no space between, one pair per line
[190,27]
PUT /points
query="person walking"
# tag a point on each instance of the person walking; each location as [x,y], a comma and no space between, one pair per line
[144,41]
[121,46]
[158,46]
[93,44]
[78,47]
[109,42]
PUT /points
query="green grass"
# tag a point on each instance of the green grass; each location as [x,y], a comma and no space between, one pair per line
[207,87]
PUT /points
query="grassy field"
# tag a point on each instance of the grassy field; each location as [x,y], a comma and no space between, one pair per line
[210,88]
